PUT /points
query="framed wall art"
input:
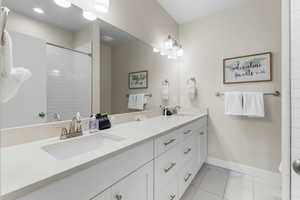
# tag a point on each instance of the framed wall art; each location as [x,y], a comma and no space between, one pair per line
[138,80]
[246,69]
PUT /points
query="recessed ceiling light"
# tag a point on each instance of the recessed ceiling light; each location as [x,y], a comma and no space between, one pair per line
[107,38]
[63,3]
[38,10]
[89,15]
[155,50]
[102,5]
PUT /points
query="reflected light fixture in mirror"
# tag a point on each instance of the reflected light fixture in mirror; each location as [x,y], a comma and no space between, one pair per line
[169,43]
[63,3]
[171,48]
[38,10]
[102,5]
[107,38]
[89,15]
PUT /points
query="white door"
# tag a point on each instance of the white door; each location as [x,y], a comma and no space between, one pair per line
[137,186]
[295,76]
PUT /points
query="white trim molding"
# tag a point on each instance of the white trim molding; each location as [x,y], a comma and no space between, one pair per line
[268,176]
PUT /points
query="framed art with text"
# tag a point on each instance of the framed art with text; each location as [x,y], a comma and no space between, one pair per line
[246,69]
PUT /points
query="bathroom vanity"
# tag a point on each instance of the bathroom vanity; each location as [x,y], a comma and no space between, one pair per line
[146,160]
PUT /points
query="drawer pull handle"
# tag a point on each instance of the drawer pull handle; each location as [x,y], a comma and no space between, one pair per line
[118,197]
[172,196]
[169,168]
[202,133]
[169,142]
[188,177]
[187,132]
[188,151]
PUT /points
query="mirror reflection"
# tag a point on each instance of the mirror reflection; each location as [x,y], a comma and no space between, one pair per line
[57,46]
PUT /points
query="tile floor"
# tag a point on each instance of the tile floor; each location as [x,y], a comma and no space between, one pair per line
[214,183]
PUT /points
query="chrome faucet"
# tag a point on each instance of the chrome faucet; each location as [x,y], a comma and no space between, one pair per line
[176,109]
[75,129]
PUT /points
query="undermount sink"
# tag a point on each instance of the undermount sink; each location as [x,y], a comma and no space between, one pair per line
[73,147]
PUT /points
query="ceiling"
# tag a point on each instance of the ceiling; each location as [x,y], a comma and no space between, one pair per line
[184,11]
[69,19]
[66,18]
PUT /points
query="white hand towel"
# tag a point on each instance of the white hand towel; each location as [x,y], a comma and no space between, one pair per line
[253,104]
[132,101]
[11,79]
[140,101]
[165,92]
[233,103]
[191,90]
[136,101]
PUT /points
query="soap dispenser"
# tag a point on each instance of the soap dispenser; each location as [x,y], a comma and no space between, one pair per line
[93,124]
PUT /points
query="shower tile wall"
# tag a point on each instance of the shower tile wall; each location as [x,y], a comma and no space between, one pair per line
[68,83]
[295,76]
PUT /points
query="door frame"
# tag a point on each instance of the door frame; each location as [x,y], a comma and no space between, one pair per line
[286,99]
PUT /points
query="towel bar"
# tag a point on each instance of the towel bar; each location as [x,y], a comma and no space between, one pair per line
[276,94]
[147,95]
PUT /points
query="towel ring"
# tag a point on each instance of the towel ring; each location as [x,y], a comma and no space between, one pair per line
[165,82]
[193,79]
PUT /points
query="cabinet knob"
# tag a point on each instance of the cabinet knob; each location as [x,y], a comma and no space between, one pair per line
[188,177]
[296,166]
[172,196]
[188,151]
[119,197]
[169,142]
[169,168]
[202,133]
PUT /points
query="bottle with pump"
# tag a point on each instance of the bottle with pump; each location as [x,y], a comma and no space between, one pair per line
[93,124]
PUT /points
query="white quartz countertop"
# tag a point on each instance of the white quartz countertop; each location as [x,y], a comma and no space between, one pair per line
[27,166]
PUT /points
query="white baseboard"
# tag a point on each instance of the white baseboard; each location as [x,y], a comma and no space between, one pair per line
[264,175]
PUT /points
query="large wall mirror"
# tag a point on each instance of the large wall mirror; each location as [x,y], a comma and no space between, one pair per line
[56,45]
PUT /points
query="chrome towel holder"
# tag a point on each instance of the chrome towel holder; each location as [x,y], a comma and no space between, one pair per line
[276,94]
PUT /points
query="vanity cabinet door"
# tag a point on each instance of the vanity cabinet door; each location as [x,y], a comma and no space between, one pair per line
[106,195]
[203,145]
[137,186]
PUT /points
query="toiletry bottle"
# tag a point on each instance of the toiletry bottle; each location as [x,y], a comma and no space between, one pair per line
[93,124]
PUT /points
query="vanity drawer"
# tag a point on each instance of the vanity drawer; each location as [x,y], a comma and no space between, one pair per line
[193,127]
[189,149]
[169,191]
[167,165]
[166,142]
[186,175]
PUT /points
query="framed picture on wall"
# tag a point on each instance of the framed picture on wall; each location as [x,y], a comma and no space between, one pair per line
[247,69]
[138,80]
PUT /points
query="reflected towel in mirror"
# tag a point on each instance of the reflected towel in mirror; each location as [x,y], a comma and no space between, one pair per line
[11,79]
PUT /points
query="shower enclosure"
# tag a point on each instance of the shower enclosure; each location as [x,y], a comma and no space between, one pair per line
[60,84]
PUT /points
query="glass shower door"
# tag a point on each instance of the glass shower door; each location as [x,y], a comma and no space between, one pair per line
[68,83]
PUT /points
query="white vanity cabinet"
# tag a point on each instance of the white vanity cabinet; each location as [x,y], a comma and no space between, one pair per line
[179,155]
[136,186]
[159,168]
